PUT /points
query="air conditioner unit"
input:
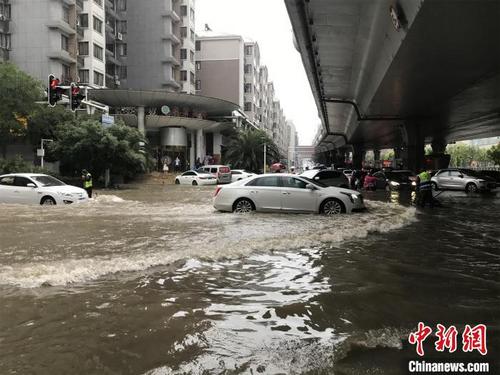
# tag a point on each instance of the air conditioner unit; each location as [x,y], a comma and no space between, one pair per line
[119,36]
[117,78]
[2,17]
[117,82]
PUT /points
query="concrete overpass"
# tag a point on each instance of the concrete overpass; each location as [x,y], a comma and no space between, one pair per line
[399,74]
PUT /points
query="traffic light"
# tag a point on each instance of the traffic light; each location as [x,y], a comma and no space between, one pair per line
[76,97]
[54,91]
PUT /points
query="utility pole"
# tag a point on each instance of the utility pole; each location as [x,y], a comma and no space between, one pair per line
[42,150]
[265,157]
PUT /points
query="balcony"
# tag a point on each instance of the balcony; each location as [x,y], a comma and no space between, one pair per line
[171,60]
[61,25]
[63,56]
[173,15]
[172,38]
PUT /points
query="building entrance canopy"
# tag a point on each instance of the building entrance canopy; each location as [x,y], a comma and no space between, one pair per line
[213,107]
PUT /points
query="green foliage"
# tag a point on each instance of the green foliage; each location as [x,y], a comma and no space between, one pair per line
[494,154]
[44,121]
[463,155]
[88,145]
[18,165]
[18,93]
[245,150]
[387,155]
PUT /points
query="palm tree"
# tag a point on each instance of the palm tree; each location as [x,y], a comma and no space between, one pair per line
[245,150]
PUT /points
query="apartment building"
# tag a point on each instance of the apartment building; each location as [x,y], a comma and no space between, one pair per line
[5,42]
[251,79]
[147,45]
[44,38]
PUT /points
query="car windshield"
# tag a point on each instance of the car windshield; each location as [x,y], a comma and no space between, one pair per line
[314,182]
[46,181]
[398,176]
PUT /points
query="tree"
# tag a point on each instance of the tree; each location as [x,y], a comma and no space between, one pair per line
[462,155]
[88,145]
[44,122]
[245,150]
[494,154]
[18,93]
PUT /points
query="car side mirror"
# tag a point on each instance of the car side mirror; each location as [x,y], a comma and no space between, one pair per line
[461,176]
[310,187]
[31,185]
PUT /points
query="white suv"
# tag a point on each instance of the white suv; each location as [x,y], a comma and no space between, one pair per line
[221,172]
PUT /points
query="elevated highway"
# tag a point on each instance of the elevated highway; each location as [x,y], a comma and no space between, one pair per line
[399,74]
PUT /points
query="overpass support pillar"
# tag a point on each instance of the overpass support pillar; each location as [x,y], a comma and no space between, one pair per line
[200,145]
[358,155]
[413,158]
[141,120]
[376,155]
[438,146]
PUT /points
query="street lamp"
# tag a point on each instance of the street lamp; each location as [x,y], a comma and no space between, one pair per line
[41,151]
[265,156]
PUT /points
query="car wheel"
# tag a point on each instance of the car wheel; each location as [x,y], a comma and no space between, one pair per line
[471,188]
[243,206]
[332,207]
[48,201]
[434,186]
[177,182]
[195,183]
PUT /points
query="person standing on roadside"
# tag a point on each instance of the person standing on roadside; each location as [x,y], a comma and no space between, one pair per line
[87,182]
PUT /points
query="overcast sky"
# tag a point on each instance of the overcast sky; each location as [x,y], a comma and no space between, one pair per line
[267,22]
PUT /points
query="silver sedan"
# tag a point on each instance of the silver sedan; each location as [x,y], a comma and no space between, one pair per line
[286,193]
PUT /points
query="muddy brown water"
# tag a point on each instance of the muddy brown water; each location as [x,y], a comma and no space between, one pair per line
[153,280]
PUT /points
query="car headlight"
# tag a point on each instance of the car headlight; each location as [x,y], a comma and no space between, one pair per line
[352,196]
[394,183]
[413,183]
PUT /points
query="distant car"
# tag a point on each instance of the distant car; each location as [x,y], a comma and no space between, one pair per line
[240,174]
[329,178]
[462,179]
[221,172]
[195,178]
[395,180]
[34,188]
[495,175]
[286,193]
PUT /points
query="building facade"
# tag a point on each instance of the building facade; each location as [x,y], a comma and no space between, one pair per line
[228,67]
[5,41]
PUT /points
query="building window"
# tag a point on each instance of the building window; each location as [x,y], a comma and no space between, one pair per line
[248,88]
[184,10]
[121,26]
[191,56]
[5,41]
[198,45]
[97,25]
[183,75]
[192,77]
[64,42]
[122,49]
[192,35]
[191,11]
[84,20]
[5,11]
[123,72]
[184,32]
[98,78]
[183,54]
[83,48]
[122,5]
[198,65]
[83,75]
[98,2]
[66,14]
[98,52]
[198,85]
[248,68]
[66,73]
[248,50]
[248,106]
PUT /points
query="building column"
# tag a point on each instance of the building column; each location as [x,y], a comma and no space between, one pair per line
[376,155]
[192,153]
[217,147]
[200,145]
[358,155]
[141,120]
[438,146]
[415,147]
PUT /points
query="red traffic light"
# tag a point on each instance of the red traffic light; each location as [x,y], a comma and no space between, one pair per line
[54,93]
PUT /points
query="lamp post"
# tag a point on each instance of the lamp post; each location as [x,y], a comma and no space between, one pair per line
[265,155]
[42,150]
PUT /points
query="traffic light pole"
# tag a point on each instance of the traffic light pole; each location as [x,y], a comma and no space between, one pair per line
[43,150]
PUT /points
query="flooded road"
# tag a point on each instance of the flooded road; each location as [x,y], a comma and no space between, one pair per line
[154,280]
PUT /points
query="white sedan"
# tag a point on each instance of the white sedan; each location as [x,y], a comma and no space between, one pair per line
[33,188]
[286,193]
[240,174]
[195,178]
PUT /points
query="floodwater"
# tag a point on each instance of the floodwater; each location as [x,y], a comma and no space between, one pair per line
[153,280]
